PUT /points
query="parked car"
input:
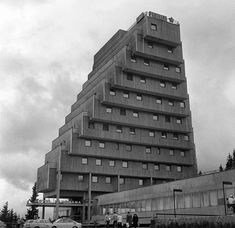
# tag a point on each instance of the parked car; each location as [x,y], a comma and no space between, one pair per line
[37,223]
[66,223]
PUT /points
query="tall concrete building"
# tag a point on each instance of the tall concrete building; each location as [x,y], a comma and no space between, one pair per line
[131,124]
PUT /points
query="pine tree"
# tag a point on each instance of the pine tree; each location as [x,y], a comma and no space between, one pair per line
[4,214]
[233,162]
[32,212]
[221,168]
[229,164]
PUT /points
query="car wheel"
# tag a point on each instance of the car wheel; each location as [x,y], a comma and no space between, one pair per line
[74,227]
[53,226]
[36,227]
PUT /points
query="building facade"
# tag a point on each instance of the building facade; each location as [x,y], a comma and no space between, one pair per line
[131,124]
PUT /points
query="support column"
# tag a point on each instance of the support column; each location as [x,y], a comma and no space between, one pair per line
[151,180]
[58,186]
[84,207]
[43,209]
[118,183]
[89,199]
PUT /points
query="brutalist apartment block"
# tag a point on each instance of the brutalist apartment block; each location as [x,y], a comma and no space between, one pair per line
[131,124]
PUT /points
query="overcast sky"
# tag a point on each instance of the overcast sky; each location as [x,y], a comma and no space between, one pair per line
[46,53]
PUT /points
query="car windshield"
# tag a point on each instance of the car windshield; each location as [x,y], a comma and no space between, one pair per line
[29,221]
[64,220]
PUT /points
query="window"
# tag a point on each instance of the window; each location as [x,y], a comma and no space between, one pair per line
[164,135]
[168,168]
[166,67]
[175,136]
[153,26]
[171,103]
[155,117]
[80,178]
[107,180]
[128,147]
[151,133]
[135,114]
[132,131]
[148,150]
[170,50]
[119,129]
[121,180]
[186,137]
[108,109]
[101,144]
[124,164]
[144,165]
[182,153]
[178,120]
[162,84]
[94,179]
[88,143]
[105,127]
[139,97]
[91,125]
[167,119]
[129,77]
[117,146]
[182,105]
[84,161]
[142,79]
[125,94]
[158,100]
[112,92]
[179,168]
[174,86]
[158,150]
[111,163]
[122,111]
[141,182]
[171,152]
[146,62]
[150,44]
[133,59]
[156,167]
[98,162]
[177,69]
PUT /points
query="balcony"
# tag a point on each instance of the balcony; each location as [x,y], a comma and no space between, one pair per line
[147,104]
[141,137]
[150,86]
[72,164]
[144,120]
[154,69]
[164,32]
[137,153]
[157,52]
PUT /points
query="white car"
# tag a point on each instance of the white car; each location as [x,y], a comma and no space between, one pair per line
[66,223]
[37,223]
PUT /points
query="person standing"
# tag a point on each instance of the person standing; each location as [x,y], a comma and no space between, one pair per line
[119,220]
[115,218]
[128,219]
[135,220]
[107,220]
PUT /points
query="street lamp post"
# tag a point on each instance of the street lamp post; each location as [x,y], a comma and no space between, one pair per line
[175,190]
[225,183]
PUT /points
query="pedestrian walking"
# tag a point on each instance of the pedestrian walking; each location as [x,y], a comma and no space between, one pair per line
[128,219]
[107,220]
[135,220]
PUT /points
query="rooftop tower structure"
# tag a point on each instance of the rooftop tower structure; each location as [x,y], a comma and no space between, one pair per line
[131,124]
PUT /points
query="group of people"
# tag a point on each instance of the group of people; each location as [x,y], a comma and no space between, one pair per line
[131,221]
